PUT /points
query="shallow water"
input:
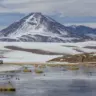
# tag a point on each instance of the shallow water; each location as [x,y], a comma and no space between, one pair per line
[28,86]
[55,82]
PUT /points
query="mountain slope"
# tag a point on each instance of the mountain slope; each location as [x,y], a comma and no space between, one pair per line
[40,28]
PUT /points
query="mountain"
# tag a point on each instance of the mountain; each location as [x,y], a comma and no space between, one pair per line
[37,27]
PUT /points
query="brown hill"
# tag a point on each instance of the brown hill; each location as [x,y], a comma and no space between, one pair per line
[86,57]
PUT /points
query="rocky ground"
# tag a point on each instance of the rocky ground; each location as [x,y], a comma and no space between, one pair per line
[86,57]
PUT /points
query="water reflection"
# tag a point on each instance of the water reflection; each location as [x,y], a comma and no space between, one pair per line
[81,86]
[60,87]
[75,87]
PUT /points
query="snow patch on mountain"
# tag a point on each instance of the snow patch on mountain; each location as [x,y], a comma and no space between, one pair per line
[40,28]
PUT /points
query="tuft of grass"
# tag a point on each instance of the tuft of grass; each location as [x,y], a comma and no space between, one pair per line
[38,71]
[73,68]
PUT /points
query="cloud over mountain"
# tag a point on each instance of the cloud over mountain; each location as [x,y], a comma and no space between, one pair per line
[65,7]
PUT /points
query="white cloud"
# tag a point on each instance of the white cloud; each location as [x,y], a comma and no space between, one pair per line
[65,7]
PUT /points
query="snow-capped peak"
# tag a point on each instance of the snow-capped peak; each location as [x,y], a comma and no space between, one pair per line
[36,24]
[34,18]
[37,18]
[41,28]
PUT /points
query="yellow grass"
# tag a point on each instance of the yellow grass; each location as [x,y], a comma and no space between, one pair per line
[38,71]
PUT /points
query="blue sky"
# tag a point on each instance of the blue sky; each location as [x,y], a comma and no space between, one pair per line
[64,11]
[8,18]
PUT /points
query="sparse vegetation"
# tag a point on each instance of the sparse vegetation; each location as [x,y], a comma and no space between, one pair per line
[73,68]
[86,57]
[38,71]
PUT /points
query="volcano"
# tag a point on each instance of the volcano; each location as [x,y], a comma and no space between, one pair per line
[37,27]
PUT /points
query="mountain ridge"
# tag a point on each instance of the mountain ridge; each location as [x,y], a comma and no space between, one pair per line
[37,27]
